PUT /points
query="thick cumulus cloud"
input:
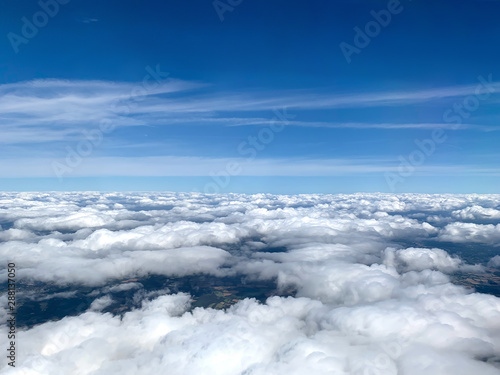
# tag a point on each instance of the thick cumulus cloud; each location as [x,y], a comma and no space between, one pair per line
[476,213]
[413,259]
[470,232]
[372,280]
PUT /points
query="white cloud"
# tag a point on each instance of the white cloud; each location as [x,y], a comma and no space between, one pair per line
[47,110]
[370,297]
[101,303]
[469,232]
[414,259]
[495,261]
[476,213]
[205,166]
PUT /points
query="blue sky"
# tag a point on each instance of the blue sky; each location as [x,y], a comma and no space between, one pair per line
[164,95]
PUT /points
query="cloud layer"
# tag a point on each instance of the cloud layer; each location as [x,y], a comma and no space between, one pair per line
[372,277]
[46,110]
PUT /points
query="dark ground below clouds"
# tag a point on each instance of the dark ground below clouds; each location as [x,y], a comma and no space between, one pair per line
[41,302]
[36,307]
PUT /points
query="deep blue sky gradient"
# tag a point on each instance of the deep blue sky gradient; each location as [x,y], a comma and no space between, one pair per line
[267,49]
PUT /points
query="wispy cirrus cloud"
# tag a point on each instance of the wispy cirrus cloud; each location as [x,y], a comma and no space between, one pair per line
[206,166]
[88,20]
[61,108]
